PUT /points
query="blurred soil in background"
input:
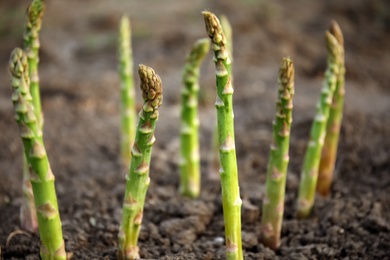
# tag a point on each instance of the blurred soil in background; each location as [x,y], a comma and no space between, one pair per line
[80,93]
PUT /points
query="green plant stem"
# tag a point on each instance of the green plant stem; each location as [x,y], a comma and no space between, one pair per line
[28,215]
[35,11]
[189,134]
[31,46]
[231,200]
[128,114]
[311,163]
[273,204]
[329,152]
[137,180]
[41,176]
[214,159]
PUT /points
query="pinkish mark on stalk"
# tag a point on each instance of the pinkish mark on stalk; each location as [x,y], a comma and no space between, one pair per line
[142,168]
[47,210]
[280,208]
[130,200]
[49,175]
[228,145]
[303,203]
[138,218]
[231,247]
[276,174]
[267,230]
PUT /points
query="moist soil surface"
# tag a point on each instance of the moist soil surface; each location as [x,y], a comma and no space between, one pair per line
[80,93]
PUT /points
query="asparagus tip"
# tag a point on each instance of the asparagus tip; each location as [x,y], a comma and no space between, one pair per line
[335,30]
[18,62]
[213,27]
[332,43]
[199,50]
[151,86]
[125,22]
[35,10]
[287,69]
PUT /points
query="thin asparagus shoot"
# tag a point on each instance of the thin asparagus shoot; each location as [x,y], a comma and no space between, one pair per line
[137,180]
[31,46]
[35,11]
[41,176]
[311,162]
[273,204]
[128,114]
[189,135]
[231,201]
[329,152]
[214,159]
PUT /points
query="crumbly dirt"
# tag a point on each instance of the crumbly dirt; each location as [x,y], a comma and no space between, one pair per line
[80,101]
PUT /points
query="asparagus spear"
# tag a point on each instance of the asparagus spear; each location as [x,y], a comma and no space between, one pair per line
[231,200]
[189,165]
[128,115]
[137,180]
[28,217]
[228,31]
[311,163]
[31,46]
[273,205]
[41,176]
[329,152]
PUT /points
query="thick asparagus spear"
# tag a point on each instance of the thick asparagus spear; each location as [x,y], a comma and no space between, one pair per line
[41,176]
[128,114]
[189,135]
[329,152]
[311,163]
[231,200]
[214,159]
[137,181]
[28,217]
[273,205]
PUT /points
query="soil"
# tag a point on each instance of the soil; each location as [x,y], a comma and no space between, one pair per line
[80,101]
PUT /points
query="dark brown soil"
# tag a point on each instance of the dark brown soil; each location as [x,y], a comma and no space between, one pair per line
[80,101]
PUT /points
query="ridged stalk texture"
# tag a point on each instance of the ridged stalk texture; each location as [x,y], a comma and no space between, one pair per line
[311,162]
[31,44]
[137,180]
[273,204]
[329,152]
[214,159]
[128,114]
[231,200]
[189,134]
[41,176]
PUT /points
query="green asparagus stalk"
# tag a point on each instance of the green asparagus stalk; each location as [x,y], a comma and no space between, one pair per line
[311,163]
[128,114]
[329,152]
[231,200]
[189,136]
[41,176]
[35,12]
[137,180]
[31,46]
[273,205]
[214,159]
